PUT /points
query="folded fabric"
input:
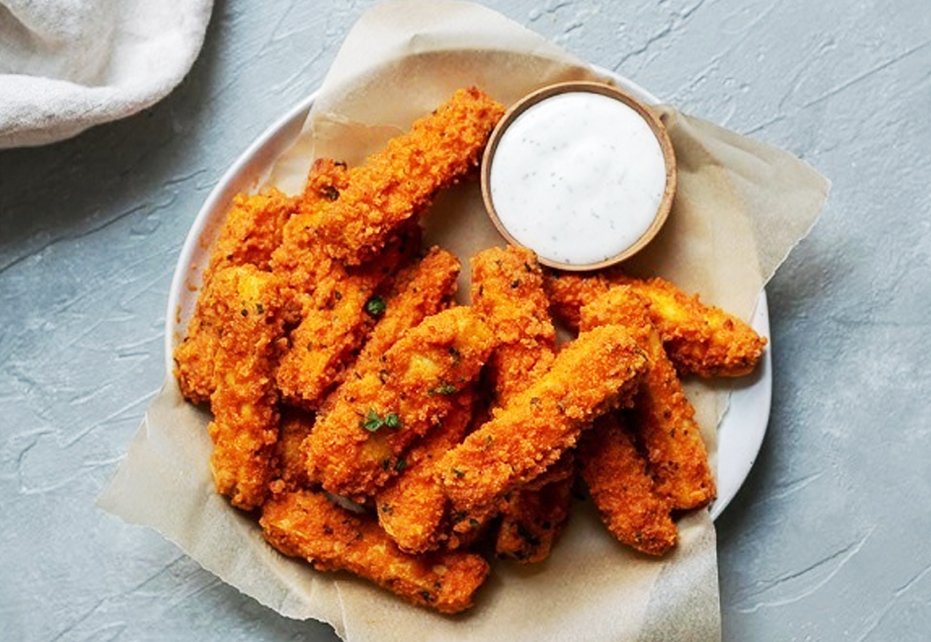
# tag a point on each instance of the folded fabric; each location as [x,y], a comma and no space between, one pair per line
[66,65]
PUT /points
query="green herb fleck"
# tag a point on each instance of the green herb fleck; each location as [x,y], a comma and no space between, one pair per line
[444,389]
[458,473]
[372,422]
[375,307]
[400,465]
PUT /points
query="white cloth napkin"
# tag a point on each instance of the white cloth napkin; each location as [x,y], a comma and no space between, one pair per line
[66,65]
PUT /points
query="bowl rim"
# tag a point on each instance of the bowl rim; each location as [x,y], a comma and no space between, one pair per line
[643,109]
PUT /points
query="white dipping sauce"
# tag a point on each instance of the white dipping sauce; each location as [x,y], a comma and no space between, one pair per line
[577,178]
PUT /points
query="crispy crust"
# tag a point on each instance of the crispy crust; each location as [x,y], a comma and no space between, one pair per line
[335,324]
[664,417]
[535,515]
[599,370]
[305,524]
[399,181]
[411,509]
[292,469]
[622,490]
[507,290]
[441,355]
[700,339]
[245,425]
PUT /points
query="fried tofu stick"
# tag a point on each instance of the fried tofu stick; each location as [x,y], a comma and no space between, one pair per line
[245,425]
[355,447]
[253,229]
[399,181]
[336,320]
[507,288]
[665,418]
[535,514]
[622,490]
[411,508]
[250,233]
[305,524]
[700,339]
[420,291]
[597,371]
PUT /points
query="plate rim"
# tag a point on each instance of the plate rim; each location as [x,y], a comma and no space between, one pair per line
[740,419]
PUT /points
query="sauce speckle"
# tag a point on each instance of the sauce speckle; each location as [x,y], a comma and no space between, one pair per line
[578,178]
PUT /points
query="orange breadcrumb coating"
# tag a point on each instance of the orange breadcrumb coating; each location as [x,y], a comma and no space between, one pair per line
[535,514]
[598,370]
[622,489]
[397,182]
[334,324]
[420,291]
[507,288]
[355,447]
[251,231]
[300,258]
[665,418]
[411,509]
[305,524]
[245,424]
[700,339]
[292,461]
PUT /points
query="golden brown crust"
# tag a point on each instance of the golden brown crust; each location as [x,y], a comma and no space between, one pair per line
[664,417]
[411,508]
[414,381]
[535,515]
[245,425]
[507,290]
[334,324]
[700,339]
[399,181]
[622,489]
[305,524]
[296,424]
[598,370]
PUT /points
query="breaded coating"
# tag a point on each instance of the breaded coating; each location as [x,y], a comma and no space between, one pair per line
[665,418]
[296,424]
[507,290]
[599,370]
[305,524]
[335,322]
[700,339]
[326,179]
[355,447]
[397,182]
[536,513]
[251,231]
[420,291]
[300,258]
[412,507]
[245,418]
[568,292]
[622,490]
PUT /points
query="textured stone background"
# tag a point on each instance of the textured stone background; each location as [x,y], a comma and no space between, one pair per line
[827,540]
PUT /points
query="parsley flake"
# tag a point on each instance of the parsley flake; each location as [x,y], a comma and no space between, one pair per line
[375,307]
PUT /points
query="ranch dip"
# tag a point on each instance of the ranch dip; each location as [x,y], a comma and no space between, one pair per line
[577,177]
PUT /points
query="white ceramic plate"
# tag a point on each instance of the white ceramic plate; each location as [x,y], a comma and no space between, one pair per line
[739,435]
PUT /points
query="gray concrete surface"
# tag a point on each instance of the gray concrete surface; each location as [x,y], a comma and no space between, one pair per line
[827,540]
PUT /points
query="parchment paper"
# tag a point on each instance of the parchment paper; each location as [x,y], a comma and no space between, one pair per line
[740,208]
